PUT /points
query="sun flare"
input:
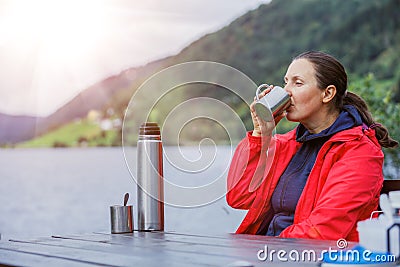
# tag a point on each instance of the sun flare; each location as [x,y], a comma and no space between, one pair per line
[53,26]
[51,50]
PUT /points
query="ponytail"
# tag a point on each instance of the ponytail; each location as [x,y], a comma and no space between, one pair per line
[381,132]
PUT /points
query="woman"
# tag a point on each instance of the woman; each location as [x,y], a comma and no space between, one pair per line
[326,174]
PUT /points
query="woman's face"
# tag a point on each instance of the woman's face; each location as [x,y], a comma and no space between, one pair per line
[306,97]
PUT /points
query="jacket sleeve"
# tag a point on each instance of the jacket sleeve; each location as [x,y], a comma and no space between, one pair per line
[244,166]
[353,184]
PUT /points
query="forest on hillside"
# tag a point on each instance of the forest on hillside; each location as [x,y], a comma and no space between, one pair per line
[363,34]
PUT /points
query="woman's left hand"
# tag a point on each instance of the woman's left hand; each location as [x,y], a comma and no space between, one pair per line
[262,127]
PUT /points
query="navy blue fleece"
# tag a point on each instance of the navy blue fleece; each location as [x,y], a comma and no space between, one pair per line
[292,182]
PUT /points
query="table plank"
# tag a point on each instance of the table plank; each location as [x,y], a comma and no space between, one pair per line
[224,245]
[78,255]
[175,254]
[16,258]
[153,248]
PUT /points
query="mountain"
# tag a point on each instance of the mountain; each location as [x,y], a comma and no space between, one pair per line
[20,128]
[363,34]
[95,97]
[16,129]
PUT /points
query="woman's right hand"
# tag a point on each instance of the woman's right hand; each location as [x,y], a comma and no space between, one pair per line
[262,127]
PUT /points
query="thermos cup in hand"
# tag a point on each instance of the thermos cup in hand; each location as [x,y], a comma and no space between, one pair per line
[272,104]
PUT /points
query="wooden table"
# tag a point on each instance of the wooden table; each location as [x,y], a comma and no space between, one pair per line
[155,249]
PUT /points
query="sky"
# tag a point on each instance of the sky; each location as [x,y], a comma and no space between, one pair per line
[50,50]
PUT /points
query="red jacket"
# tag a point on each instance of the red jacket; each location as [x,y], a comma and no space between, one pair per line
[342,189]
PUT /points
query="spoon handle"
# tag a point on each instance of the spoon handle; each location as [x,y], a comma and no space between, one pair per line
[126,197]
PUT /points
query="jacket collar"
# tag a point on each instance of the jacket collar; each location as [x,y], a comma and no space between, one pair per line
[348,118]
[344,136]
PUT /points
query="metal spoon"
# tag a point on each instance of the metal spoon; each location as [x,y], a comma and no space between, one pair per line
[126,197]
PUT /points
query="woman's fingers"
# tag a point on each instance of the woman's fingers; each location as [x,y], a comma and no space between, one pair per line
[266,91]
[261,95]
[252,109]
[262,127]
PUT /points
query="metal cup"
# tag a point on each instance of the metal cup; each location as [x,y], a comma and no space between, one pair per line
[121,219]
[272,104]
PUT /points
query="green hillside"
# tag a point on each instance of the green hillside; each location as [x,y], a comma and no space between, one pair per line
[363,34]
[78,133]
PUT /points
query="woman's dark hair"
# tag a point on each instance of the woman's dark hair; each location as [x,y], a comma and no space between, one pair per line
[329,71]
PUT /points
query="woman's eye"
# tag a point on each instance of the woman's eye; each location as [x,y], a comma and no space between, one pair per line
[299,83]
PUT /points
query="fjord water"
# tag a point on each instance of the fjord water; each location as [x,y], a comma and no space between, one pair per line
[46,192]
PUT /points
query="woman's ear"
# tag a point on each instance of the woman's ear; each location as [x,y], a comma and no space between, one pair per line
[328,94]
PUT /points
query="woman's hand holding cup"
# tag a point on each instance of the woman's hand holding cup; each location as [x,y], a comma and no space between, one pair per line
[261,127]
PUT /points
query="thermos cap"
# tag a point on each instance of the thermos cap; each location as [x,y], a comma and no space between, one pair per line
[149,128]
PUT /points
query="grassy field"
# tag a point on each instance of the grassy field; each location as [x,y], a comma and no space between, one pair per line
[77,133]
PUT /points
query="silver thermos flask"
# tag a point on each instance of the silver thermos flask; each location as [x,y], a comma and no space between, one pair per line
[150,186]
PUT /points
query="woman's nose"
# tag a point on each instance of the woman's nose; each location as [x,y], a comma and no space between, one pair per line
[288,90]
